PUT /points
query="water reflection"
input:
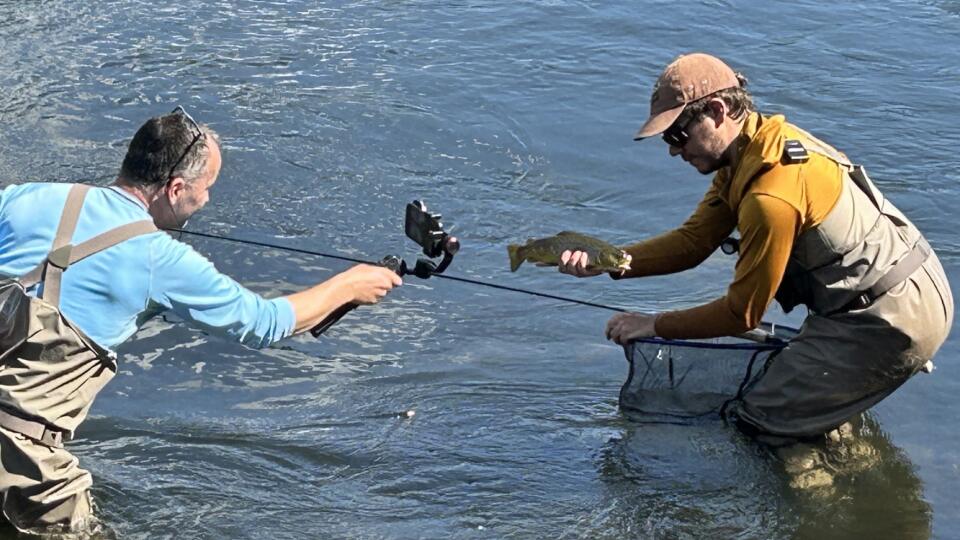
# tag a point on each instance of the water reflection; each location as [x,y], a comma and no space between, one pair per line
[701,479]
[870,498]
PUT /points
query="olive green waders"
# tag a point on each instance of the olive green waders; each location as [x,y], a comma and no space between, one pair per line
[49,374]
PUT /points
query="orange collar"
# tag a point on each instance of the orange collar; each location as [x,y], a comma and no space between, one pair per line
[761,146]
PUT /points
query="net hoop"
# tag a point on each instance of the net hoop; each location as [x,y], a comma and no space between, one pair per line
[664,381]
[777,337]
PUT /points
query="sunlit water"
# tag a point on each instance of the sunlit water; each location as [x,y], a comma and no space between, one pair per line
[514,119]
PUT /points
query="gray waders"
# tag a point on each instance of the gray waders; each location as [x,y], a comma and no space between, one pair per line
[880,307]
[49,374]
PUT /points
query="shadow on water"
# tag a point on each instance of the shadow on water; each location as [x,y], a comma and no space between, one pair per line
[699,478]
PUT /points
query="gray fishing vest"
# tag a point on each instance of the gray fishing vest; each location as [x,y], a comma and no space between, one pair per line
[49,370]
[863,248]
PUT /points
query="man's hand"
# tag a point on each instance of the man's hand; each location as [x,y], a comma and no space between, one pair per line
[362,284]
[624,327]
[575,263]
[367,284]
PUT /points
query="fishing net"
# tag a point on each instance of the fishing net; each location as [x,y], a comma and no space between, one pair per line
[695,378]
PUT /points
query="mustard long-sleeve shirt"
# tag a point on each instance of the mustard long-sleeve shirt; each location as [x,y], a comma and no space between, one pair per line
[770,203]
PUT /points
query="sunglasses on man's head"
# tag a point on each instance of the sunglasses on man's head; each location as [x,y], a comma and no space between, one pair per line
[200,134]
[676,135]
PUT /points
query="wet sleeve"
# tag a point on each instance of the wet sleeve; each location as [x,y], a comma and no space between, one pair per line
[687,246]
[186,283]
[768,227]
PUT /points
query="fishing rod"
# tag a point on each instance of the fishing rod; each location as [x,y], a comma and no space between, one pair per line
[363,261]
[427,231]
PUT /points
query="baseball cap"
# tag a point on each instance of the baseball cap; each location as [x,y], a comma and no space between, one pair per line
[687,79]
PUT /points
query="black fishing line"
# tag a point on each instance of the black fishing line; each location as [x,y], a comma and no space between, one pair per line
[361,261]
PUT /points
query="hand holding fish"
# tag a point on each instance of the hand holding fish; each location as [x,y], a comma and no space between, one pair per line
[624,327]
[577,263]
[575,253]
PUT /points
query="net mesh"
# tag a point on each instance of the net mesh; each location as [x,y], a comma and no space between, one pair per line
[693,378]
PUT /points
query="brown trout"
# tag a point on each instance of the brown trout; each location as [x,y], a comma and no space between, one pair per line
[603,256]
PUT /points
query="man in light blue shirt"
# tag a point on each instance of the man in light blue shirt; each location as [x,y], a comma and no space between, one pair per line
[165,178]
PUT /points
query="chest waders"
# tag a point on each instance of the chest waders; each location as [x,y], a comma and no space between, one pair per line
[879,304]
[50,373]
[863,248]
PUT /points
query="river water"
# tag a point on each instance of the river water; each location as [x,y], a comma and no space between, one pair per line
[514,119]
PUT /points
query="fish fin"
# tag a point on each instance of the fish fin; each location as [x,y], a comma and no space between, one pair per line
[516,253]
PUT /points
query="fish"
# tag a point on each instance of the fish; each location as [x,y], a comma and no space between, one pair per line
[603,256]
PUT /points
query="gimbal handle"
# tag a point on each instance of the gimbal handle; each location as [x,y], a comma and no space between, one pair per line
[390,261]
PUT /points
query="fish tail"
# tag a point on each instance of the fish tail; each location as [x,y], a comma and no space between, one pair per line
[517,256]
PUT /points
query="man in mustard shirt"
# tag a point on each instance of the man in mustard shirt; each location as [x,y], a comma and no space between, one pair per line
[814,230]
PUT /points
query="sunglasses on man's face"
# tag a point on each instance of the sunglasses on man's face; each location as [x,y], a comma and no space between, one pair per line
[676,135]
[200,134]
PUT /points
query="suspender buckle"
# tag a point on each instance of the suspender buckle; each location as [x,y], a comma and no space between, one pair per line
[860,302]
[60,257]
[794,152]
[52,438]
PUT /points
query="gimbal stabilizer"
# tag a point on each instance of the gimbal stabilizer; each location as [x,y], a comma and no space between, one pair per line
[427,231]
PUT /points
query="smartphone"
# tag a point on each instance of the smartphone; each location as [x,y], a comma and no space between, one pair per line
[425,229]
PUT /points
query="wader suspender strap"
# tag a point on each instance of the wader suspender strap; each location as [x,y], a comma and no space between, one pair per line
[903,268]
[63,254]
[50,271]
[906,266]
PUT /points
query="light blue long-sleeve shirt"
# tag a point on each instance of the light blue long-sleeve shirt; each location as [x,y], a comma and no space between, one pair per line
[109,294]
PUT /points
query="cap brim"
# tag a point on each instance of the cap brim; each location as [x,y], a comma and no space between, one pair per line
[658,123]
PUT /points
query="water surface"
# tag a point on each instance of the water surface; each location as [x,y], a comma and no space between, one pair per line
[514,119]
